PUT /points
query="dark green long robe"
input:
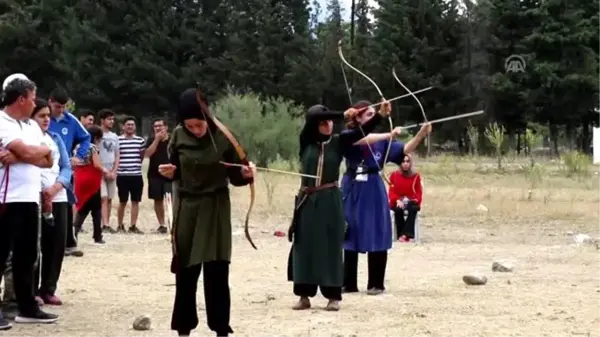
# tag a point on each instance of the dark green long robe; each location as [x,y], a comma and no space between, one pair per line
[318,238]
[319,235]
[201,207]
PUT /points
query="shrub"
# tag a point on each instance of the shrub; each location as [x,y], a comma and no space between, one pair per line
[575,163]
[495,135]
[265,128]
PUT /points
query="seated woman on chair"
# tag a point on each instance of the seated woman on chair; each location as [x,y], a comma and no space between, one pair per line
[405,194]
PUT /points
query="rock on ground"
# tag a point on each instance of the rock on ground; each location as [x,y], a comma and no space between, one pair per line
[582,239]
[142,323]
[475,279]
[504,267]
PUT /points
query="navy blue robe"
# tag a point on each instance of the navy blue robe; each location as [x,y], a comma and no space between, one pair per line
[366,204]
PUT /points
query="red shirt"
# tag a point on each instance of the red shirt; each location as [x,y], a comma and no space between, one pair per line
[401,186]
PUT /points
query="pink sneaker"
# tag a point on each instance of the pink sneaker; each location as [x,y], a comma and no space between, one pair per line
[404,238]
[52,300]
[39,301]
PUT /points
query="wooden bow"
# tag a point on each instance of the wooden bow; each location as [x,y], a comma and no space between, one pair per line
[238,148]
[381,168]
[416,99]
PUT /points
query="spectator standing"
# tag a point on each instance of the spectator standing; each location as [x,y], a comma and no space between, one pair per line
[87,118]
[88,179]
[22,158]
[156,150]
[109,157]
[57,192]
[130,182]
[72,133]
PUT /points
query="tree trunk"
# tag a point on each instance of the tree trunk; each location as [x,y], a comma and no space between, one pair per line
[585,137]
[569,132]
[554,139]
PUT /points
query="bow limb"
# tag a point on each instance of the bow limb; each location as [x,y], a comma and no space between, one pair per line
[383,175]
[240,152]
[410,93]
[341,54]
[413,95]
[387,152]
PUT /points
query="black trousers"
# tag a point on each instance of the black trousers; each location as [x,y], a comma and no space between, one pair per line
[310,290]
[54,239]
[217,298]
[19,228]
[94,206]
[406,226]
[377,263]
[71,239]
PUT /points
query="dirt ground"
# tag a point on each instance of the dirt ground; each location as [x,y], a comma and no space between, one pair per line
[553,291]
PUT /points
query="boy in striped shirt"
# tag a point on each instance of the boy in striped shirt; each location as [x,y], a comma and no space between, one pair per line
[130,182]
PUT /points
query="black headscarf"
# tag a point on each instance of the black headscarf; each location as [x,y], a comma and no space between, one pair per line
[310,132]
[189,108]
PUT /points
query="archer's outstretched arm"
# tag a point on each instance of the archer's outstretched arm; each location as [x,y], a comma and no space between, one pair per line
[349,137]
[412,144]
[376,137]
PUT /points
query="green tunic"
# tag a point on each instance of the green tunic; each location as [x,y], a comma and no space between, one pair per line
[317,254]
[202,208]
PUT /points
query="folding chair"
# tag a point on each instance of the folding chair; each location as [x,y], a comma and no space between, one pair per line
[417,238]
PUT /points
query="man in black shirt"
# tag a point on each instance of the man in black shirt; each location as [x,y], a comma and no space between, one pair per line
[156,150]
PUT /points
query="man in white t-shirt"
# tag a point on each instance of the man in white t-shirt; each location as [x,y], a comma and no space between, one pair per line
[22,156]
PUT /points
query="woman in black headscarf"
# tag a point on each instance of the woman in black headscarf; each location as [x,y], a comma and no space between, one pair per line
[316,259]
[202,215]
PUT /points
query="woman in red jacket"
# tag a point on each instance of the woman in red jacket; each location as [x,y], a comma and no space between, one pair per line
[88,178]
[406,194]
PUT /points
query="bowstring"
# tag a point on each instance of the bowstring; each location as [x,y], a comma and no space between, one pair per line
[343,61]
[203,106]
[346,82]
[416,99]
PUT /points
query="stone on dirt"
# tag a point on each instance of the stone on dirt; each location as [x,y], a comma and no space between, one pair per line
[474,279]
[142,323]
[482,208]
[582,239]
[503,267]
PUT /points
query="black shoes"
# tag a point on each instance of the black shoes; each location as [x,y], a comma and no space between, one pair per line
[38,317]
[4,323]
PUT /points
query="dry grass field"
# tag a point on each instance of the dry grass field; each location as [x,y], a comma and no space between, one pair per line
[553,290]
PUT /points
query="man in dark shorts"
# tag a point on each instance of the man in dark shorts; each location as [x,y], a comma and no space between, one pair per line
[129,174]
[156,150]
